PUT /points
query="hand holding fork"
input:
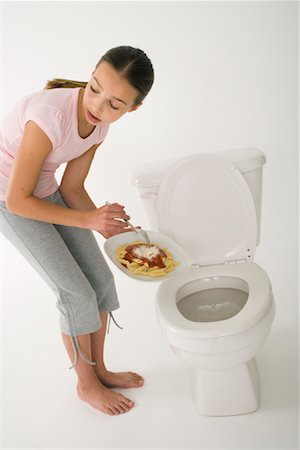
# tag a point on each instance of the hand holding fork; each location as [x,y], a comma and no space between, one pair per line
[137,229]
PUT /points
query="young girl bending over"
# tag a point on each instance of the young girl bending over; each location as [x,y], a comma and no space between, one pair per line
[52,226]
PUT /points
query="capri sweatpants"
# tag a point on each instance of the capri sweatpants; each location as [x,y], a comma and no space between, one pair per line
[70,261]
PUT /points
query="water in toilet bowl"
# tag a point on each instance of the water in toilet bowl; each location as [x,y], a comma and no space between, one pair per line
[212,305]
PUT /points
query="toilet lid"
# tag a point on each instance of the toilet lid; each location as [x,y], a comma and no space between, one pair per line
[205,205]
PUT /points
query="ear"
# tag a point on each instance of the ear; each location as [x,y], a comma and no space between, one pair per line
[135,107]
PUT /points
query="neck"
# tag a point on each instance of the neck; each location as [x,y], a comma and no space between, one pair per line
[84,128]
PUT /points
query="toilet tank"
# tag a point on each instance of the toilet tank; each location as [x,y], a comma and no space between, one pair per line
[146,179]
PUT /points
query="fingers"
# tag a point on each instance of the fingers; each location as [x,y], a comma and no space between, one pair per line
[113,220]
[114,232]
[116,211]
[115,207]
[113,227]
[117,204]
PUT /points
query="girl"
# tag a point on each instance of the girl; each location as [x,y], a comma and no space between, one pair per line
[52,227]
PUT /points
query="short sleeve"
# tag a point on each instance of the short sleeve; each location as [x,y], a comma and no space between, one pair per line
[49,119]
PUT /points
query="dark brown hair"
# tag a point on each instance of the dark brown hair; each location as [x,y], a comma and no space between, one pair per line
[132,63]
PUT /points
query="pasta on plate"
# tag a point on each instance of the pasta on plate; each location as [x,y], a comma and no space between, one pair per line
[141,259]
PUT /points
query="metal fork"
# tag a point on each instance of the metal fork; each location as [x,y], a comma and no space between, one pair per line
[136,229]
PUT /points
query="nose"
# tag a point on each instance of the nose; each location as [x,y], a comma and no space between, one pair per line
[98,107]
[96,112]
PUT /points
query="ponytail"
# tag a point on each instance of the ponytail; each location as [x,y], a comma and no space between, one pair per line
[62,83]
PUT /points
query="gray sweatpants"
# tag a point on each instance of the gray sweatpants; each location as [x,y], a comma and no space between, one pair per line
[70,261]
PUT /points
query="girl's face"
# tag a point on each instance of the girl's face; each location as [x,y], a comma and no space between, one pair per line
[107,96]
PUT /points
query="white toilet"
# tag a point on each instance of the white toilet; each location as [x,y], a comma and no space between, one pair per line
[216,314]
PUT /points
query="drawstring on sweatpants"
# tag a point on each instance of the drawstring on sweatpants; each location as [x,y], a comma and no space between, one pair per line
[114,320]
[75,348]
[75,344]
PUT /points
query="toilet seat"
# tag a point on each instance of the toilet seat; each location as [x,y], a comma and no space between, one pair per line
[205,205]
[257,304]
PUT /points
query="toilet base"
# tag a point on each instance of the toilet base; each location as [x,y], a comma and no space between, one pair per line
[227,392]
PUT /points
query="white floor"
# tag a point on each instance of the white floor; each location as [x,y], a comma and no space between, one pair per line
[40,408]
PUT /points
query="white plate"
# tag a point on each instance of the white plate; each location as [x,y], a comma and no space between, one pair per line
[155,237]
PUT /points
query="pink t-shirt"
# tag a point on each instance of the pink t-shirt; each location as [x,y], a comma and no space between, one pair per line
[55,112]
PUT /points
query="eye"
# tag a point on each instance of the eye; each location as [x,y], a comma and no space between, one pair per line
[93,90]
[111,105]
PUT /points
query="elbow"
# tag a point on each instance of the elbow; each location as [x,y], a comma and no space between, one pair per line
[11,206]
[14,205]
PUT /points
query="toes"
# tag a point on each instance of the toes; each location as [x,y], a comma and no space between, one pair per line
[120,407]
[123,404]
[116,409]
[139,381]
[123,408]
[137,378]
[127,404]
[130,403]
[136,375]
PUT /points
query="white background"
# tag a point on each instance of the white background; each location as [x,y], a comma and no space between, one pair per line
[226,76]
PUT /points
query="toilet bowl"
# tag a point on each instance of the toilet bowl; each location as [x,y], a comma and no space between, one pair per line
[216,319]
[217,314]
[214,309]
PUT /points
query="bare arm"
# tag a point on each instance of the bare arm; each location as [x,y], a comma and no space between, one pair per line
[72,183]
[34,149]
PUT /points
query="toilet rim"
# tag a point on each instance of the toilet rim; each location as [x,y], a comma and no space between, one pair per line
[258,302]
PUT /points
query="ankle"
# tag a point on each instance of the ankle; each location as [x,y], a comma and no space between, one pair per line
[100,369]
[86,385]
[85,381]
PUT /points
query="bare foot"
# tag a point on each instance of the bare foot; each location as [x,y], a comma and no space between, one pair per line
[104,399]
[120,379]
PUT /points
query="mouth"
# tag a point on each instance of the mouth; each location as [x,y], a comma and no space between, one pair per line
[93,118]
